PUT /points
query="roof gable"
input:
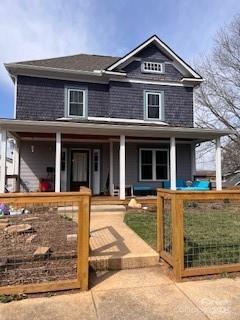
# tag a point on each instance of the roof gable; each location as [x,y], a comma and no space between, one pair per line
[164,49]
[152,52]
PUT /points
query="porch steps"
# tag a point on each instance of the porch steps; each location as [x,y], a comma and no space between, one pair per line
[108,209]
[114,246]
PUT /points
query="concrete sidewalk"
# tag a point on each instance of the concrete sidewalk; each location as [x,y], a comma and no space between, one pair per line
[139,294]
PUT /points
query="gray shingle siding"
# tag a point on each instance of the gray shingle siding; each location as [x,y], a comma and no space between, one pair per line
[134,71]
[152,54]
[39,99]
[43,99]
[126,101]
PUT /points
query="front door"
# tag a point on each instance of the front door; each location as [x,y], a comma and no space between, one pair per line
[79,169]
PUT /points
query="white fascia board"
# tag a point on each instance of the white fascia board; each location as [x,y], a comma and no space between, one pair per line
[15,96]
[59,73]
[114,73]
[110,129]
[194,81]
[162,46]
[161,83]
[130,55]
[18,66]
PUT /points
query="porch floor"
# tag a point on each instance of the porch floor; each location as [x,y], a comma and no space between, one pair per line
[114,246]
[116,200]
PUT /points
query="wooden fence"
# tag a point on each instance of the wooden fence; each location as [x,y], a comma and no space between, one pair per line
[68,209]
[198,232]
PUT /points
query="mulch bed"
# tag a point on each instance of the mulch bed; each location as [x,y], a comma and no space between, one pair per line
[18,265]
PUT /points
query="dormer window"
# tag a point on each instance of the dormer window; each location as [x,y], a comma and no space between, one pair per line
[152,67]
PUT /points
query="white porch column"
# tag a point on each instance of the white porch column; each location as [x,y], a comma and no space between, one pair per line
[173,163]
[16,164]
[58,163]
[111,168]
[218,165]
[122,167]
[193,156]
[3,160]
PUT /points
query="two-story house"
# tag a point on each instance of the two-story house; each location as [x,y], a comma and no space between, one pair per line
[105,122]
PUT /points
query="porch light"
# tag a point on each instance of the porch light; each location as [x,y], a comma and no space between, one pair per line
[32,148]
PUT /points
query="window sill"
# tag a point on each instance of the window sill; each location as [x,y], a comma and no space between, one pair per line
[73,118]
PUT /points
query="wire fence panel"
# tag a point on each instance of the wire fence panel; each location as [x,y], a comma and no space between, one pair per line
[211,233]
[44,242]
[167,226]
[38,243]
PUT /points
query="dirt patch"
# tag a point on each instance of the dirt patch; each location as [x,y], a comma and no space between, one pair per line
[50,229]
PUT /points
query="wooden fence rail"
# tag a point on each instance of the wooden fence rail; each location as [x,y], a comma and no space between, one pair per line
[179,214]
[82,202]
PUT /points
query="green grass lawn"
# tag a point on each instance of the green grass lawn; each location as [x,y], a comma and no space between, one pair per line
[211,234]
[144,224]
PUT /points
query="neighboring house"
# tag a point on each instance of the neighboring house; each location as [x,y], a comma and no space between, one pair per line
[9,172]
[205,175]
[106,122]
[232,179]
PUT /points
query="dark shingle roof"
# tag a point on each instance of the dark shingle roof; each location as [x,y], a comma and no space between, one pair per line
[84,62]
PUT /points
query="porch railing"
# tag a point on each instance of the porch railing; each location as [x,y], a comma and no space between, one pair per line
[44,241]
[198,232]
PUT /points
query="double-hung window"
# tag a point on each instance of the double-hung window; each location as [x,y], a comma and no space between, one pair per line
[153,105]
[153,164]
[76,102]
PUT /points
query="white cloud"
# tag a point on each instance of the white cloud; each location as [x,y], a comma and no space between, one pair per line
[36,29]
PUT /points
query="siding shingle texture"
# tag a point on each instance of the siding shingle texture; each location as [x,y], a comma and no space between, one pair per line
[43,99]
[153,54]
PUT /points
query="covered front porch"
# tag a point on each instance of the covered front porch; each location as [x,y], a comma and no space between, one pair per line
[110,158]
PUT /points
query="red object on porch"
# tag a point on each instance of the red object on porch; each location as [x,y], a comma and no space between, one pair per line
[45,185]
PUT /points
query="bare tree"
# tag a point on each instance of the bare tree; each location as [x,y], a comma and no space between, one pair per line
[218,98]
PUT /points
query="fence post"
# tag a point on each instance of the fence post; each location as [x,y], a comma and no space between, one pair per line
[177,235]
[159,223]
[83,241]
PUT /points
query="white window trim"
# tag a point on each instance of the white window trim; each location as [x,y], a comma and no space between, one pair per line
[84,103]
[162,71]
[161,110]
[153,164]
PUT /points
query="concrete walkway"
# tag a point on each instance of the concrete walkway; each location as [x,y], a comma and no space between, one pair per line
[115,246]
[142,294]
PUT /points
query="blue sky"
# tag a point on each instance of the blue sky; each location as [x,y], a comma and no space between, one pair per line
[40,29]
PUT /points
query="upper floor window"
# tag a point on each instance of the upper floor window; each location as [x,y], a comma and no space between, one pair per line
[152,67]
[76,102]
[153,105]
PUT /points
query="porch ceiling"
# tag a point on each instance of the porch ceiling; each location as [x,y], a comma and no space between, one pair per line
[110,130]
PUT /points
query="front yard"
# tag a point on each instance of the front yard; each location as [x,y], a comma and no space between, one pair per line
[211,232]
[144,224]
[36,246]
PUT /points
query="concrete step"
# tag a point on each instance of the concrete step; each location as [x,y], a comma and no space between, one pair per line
[130,261]
[107,208]
[114,246]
